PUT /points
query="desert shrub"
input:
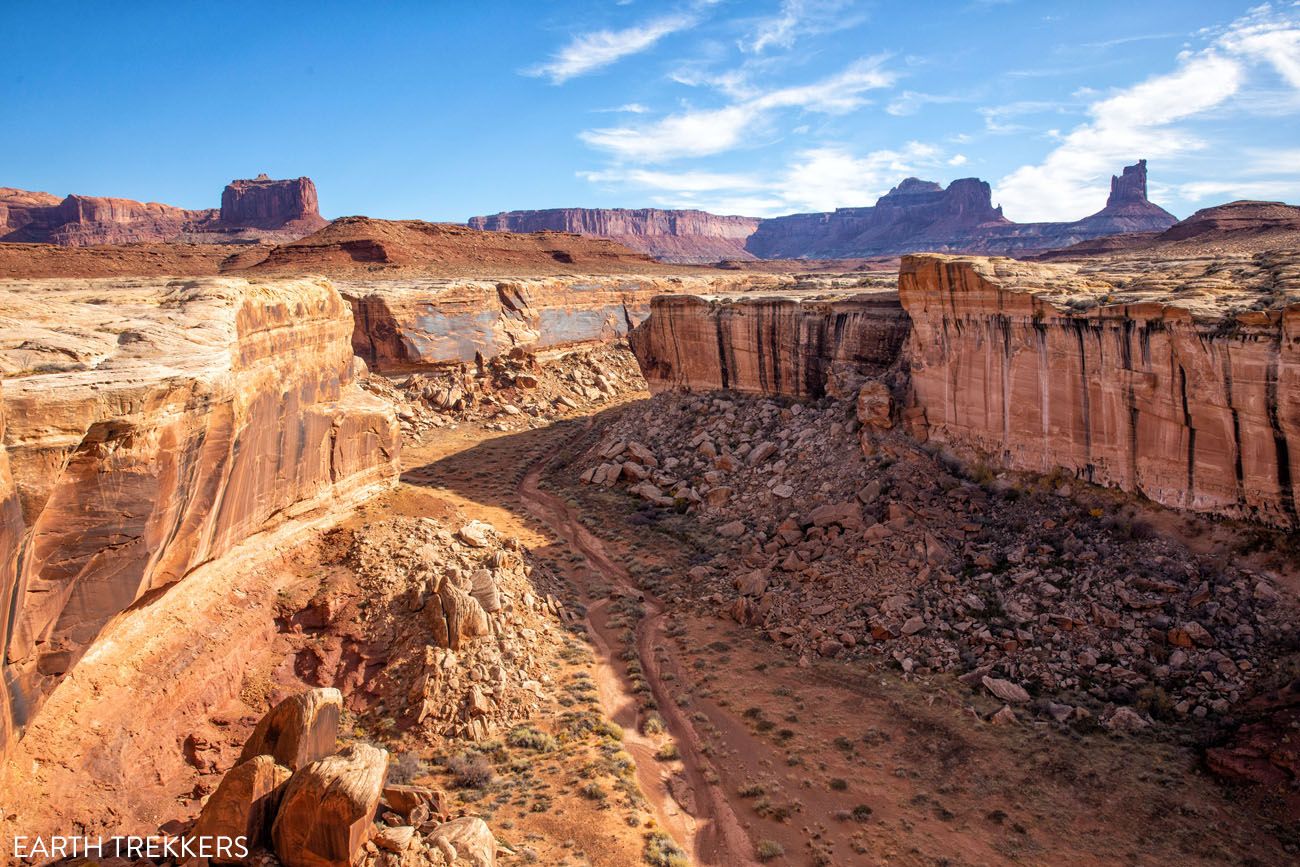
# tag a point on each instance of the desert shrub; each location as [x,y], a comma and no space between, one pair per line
[471,770]
[667,752]
[529,738]
[661,851]
[406,768]
[653,725]
[768,849]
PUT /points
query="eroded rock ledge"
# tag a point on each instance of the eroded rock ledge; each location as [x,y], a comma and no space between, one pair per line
[410,324]
[794,345]
[1178,379]
[149,427]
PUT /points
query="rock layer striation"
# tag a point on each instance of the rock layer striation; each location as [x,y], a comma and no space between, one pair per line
[409,324]
[768,344]
[1176,380]
[150,426]
[687,236]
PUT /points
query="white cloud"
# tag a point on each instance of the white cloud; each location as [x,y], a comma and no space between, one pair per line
[626,108]
[910,102]
[1147,120]
[1225,191]
[797,18]
[816,179]
[588,52]
[702,132]
[958,160]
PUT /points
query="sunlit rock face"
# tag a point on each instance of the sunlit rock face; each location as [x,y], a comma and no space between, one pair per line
[149,427]
[1177,379]
[687,236]
[409,324]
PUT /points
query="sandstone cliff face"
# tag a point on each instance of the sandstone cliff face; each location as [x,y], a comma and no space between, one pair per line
[264,203]
[921,216]
[1178,380]
[258,209]
[687,236]
[768,344]
[406,325]
[150,434]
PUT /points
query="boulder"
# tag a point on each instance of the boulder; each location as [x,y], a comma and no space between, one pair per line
[875,407]
[468,837]
[328,808]
[244,805]
[1006,690]
[299,730]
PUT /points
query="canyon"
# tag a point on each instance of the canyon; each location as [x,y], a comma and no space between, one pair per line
[260,209]
[507,526]
[915,216]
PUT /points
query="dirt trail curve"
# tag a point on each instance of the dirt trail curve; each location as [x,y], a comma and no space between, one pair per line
[712,833]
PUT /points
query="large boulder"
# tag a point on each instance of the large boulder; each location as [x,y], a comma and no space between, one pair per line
[244,805]
[328,808]
[454,616]
[299,730]
[468,838]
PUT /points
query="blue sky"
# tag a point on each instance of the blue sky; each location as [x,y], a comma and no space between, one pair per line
[441,110]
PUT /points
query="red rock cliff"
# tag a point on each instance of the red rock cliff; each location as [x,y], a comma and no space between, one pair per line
[148,436]
[920,215]
[768,344]
[264,203]
[672,236]
[409,324]
[258,209]
[1179,380]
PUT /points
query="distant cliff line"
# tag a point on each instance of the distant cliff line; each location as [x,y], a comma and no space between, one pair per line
[915,216]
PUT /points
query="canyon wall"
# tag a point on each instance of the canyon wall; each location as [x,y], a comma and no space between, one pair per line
[251,210]
[768,344]
[688,236]
[406,325]
[1176,380]
[149,427]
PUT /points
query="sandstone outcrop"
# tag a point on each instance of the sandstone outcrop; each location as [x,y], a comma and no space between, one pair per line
[687,236]
[922,216]
[257,209]
[406,325]
[362,247]
[326,813]
[263,203]
[150,427]
[244,805]
[768,344]
[1233,229]
[299,730]
[1174,379]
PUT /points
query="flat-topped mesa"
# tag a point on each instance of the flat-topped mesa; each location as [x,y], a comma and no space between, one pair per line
[150,435]
[684,236]
[780,344]
[251,210]
[271,204]
[413,324]
[1176,379]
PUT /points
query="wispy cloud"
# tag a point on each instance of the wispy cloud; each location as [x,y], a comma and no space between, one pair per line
[910,102]
[795,19]
[588,52]
[815,179]
[625,108]
[1148,119]
[703,132]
